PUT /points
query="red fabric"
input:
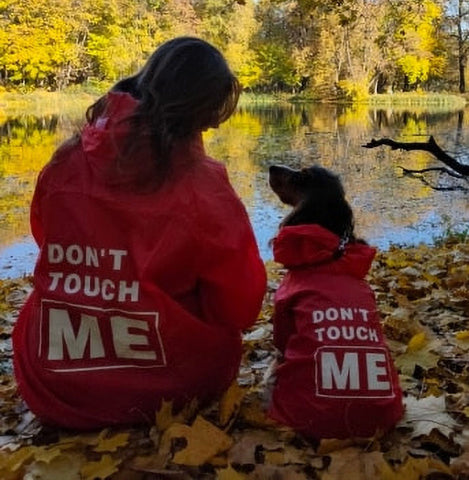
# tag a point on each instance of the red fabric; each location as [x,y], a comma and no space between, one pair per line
[337,378]
[138,297]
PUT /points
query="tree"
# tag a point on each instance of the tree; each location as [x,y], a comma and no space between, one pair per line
[458,28]
[242,27]
[35,41]
[411,42]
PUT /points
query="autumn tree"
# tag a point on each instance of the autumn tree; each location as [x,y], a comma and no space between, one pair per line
[411,43]
[457,23]
[242,26]
[35,41]
[278,43]
[325,48]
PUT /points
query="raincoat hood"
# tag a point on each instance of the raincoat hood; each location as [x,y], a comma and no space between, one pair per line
[104,137]
[308,245]
[106,141]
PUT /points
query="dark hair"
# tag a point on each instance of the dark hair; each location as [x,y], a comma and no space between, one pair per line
[185,87]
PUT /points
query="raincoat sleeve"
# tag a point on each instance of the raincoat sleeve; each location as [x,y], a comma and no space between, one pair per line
[232,282]
[35,213]
[233,287]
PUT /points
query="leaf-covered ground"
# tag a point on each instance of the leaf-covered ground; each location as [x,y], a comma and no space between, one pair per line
[423,294]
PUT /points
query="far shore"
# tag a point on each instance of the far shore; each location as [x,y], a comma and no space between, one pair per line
[45,102]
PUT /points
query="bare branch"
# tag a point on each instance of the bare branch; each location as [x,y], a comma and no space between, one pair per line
[451,173]
[418,174]
[431,147]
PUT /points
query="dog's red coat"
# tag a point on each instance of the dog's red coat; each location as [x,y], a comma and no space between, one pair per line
[337,379]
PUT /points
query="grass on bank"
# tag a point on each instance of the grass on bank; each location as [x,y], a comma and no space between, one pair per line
[43,103]
[417,99]
[79,98]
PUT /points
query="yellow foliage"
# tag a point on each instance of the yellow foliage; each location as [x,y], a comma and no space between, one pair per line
[462,335]
[165,416]
[415,468]
[229,474]
[354,464]
[111,444]
[417,342]
[101,469]
[231,402]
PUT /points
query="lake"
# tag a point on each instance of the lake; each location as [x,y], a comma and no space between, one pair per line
[390,208]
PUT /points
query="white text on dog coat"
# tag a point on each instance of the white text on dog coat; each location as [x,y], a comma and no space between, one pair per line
[353,372]
[348,330]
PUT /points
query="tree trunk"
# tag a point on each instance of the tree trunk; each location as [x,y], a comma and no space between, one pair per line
[461,50]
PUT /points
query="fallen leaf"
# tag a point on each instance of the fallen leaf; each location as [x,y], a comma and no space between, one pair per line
[13,461]
[272,472]
[151,463]
[111,444]
[255,415]
[229,474]
[424,357]
[329,445]
[165,416]
[425,414]
[416,468]
[204,441]
[231,402]
[417,342]
[46,455]
[63,467]
[354,464]
[462,335]
[100,470]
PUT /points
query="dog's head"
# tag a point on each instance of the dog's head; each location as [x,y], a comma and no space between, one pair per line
[316,195]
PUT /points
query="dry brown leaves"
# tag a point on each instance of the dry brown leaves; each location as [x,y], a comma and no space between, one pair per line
[423,294]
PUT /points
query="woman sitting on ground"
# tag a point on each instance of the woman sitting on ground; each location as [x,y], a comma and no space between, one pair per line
[148,267]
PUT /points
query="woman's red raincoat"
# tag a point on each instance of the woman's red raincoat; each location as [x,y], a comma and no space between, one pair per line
[138,297]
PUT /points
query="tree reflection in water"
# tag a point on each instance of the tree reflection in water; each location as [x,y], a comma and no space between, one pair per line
[389,208]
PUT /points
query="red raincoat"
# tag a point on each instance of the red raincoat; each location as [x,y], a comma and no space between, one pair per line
[138,297]
[337,378]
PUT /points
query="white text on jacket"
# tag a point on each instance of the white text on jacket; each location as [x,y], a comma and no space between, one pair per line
[104,259]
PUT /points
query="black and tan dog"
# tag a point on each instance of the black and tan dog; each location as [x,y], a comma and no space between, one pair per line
[335,378]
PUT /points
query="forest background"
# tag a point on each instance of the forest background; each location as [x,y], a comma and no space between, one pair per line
[321,49]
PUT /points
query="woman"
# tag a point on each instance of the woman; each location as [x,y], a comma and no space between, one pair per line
[148,268]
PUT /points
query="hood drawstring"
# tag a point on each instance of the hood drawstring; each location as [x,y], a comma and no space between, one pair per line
[344,239]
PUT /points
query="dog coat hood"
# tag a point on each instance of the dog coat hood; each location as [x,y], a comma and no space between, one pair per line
[299,245]
[138,297]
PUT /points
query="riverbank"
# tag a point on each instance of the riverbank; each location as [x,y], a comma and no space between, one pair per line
[423,296]
[43,102]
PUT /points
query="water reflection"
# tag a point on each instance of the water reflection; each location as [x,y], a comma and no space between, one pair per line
[389,207]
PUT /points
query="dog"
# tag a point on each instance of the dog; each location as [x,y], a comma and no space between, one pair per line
[336,378]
